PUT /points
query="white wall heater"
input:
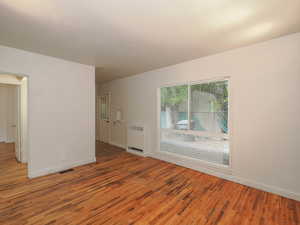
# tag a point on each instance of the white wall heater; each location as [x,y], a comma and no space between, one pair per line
[136,139]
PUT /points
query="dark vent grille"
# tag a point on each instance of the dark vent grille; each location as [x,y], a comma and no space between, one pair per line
[66,171]
[135,149]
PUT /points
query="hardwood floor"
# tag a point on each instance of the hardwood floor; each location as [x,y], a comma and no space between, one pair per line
[123,189]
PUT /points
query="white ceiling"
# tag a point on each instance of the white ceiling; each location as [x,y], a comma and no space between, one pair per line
[124,38]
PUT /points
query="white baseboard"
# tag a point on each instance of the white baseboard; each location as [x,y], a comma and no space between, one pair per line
[136,152]
[267,188]
[47,171]
[230,177]
[117,145]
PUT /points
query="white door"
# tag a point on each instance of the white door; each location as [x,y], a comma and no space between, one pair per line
[104,121]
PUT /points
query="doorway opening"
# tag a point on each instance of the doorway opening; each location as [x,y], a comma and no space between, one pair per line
[13,123]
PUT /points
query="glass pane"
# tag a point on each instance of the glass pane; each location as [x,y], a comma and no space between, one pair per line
[209,107]
[210,149]
[104,108]
[174,107]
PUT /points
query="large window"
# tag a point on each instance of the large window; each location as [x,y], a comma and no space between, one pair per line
[194,121]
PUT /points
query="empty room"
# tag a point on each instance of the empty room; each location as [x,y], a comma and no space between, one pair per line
[150,112]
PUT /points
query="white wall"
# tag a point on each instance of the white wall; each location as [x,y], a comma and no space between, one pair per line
[61,109]
[3,114]
[265,109]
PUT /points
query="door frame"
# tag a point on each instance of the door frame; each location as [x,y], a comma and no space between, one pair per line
[22,123]
[18,132]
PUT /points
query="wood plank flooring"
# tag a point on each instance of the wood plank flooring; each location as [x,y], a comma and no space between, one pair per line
[123,189]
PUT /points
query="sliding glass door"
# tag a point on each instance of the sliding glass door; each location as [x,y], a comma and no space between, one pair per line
[194,121]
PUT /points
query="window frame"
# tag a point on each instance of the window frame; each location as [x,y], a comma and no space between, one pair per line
[202,163]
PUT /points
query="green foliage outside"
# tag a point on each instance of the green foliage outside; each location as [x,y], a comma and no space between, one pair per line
[172,97]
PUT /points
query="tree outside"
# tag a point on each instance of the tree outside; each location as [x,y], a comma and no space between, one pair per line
[174,100]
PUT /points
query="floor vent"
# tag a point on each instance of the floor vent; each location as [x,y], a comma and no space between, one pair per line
[66,171]
[136,149]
